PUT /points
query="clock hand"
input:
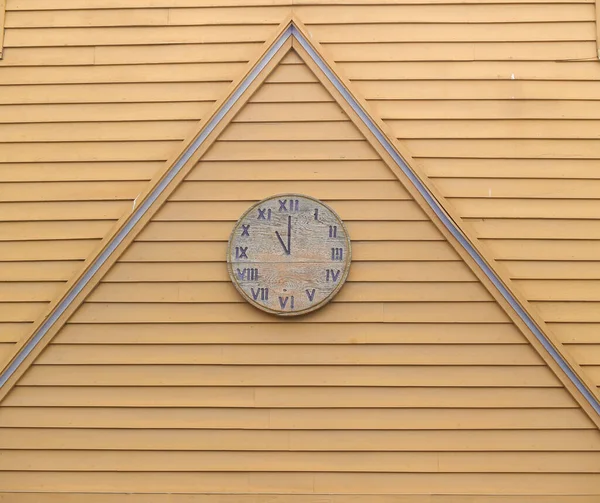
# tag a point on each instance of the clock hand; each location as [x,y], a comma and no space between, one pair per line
[286,250]
[289,234]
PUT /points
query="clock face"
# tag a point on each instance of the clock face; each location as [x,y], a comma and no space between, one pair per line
[289,254]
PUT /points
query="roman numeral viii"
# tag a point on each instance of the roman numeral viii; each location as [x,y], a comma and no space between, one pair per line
[249,273]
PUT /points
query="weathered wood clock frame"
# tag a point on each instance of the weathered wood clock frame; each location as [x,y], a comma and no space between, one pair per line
[289,254]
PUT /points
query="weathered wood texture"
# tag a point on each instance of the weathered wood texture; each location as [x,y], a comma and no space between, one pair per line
[411,381]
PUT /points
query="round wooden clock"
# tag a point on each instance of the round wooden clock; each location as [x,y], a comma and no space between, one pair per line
[289,254]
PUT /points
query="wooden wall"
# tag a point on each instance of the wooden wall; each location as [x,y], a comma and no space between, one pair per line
[92,103]
[498,101]
[412,381]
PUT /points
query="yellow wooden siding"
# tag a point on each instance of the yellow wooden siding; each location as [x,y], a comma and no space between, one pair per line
[411,381]
[497,106]
[598,28]
[92,103]
[2,23]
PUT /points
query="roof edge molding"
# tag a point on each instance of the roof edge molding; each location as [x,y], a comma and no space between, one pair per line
[291,31]
[2,25]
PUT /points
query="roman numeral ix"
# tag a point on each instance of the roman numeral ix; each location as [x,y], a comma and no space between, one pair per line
[241,252]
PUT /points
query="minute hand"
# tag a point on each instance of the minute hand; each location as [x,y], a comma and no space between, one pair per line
[287,249]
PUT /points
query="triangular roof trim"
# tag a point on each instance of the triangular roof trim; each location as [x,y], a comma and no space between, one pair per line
[290,31]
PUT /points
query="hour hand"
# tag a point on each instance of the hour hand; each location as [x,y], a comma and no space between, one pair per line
[285,248]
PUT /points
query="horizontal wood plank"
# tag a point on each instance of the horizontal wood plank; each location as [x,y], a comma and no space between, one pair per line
[461,51]
[24,251]
[291,333]
[189,72]
[540,209]
[485,109]
[307,483]
[334,462]
[290,150]
[326,419]
[110,92]
[32,231]
[257,190]
[63,211]
[524,228]
[545,250]
[39,270]
[425,312]
[78,112]
[330,169]
[277,397]
[520,188]
[305,375]
[473,70]
[92,36]
[96,151]
[377,354]
[225,292]
[71,191]
[78,171]
[311,440]
[54,497]
[458,32]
